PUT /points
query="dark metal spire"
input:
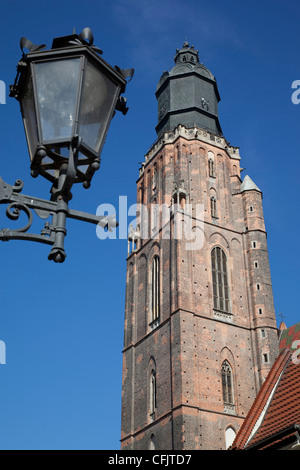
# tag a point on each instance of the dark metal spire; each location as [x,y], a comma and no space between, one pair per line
[188,95]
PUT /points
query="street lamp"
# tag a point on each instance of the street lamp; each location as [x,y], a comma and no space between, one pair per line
[68,96]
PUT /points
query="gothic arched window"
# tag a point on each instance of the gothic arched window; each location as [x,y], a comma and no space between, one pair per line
[220,280]
[152,393]
[154,180]
[229,436]
[155,288]
[227,383]
[211,168]
[213,206]
[152,443]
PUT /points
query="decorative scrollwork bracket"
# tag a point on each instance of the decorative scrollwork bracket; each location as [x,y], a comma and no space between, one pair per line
[54,232]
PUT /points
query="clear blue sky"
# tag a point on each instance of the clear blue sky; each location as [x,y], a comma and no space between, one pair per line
[63,324]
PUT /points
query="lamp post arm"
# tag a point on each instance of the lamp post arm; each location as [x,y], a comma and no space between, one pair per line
[102,220]
[53,233]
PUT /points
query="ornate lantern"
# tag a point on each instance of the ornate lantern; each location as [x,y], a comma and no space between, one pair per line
[68,96]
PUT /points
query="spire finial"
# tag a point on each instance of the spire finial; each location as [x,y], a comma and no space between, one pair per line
[186,54]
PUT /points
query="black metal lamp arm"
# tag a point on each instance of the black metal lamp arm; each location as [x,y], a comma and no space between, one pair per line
[52,233]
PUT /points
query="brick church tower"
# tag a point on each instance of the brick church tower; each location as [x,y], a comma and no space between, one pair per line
[200,331]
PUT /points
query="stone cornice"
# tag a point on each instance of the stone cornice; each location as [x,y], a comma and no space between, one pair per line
[194,133]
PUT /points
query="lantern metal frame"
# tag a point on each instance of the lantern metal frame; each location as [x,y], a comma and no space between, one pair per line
[64,48]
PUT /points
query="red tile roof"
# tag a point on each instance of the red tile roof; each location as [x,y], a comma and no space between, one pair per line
[283,411]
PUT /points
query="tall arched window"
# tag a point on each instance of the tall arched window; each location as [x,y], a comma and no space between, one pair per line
[152,443]
[211,168]
[213,206]
[220,280]
[229,436]
[227,383]
[155,288]
[152,394]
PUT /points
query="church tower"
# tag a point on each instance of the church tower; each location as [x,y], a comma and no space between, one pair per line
[200,332]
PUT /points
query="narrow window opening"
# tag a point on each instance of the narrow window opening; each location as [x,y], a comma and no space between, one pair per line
[211,168]
[229,436]
[213,207]
[152,394]
[152,443]
[220,280]
[227,383]
[155,290]
[154,180]
[179,199]
[265,358]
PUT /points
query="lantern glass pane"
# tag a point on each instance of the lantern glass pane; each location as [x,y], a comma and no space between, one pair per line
[29,117]
[98,101]
[57,90]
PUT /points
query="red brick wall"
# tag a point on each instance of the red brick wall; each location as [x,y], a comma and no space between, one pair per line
[193,339]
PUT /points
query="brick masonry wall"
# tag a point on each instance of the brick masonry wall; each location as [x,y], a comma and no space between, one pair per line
[193,339]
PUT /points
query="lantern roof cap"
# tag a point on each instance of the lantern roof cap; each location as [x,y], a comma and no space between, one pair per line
[85,38]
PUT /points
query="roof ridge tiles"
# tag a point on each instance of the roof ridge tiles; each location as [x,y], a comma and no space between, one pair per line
[261,399]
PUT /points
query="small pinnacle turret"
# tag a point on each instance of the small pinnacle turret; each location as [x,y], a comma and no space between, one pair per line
[249,185]
[187,54]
